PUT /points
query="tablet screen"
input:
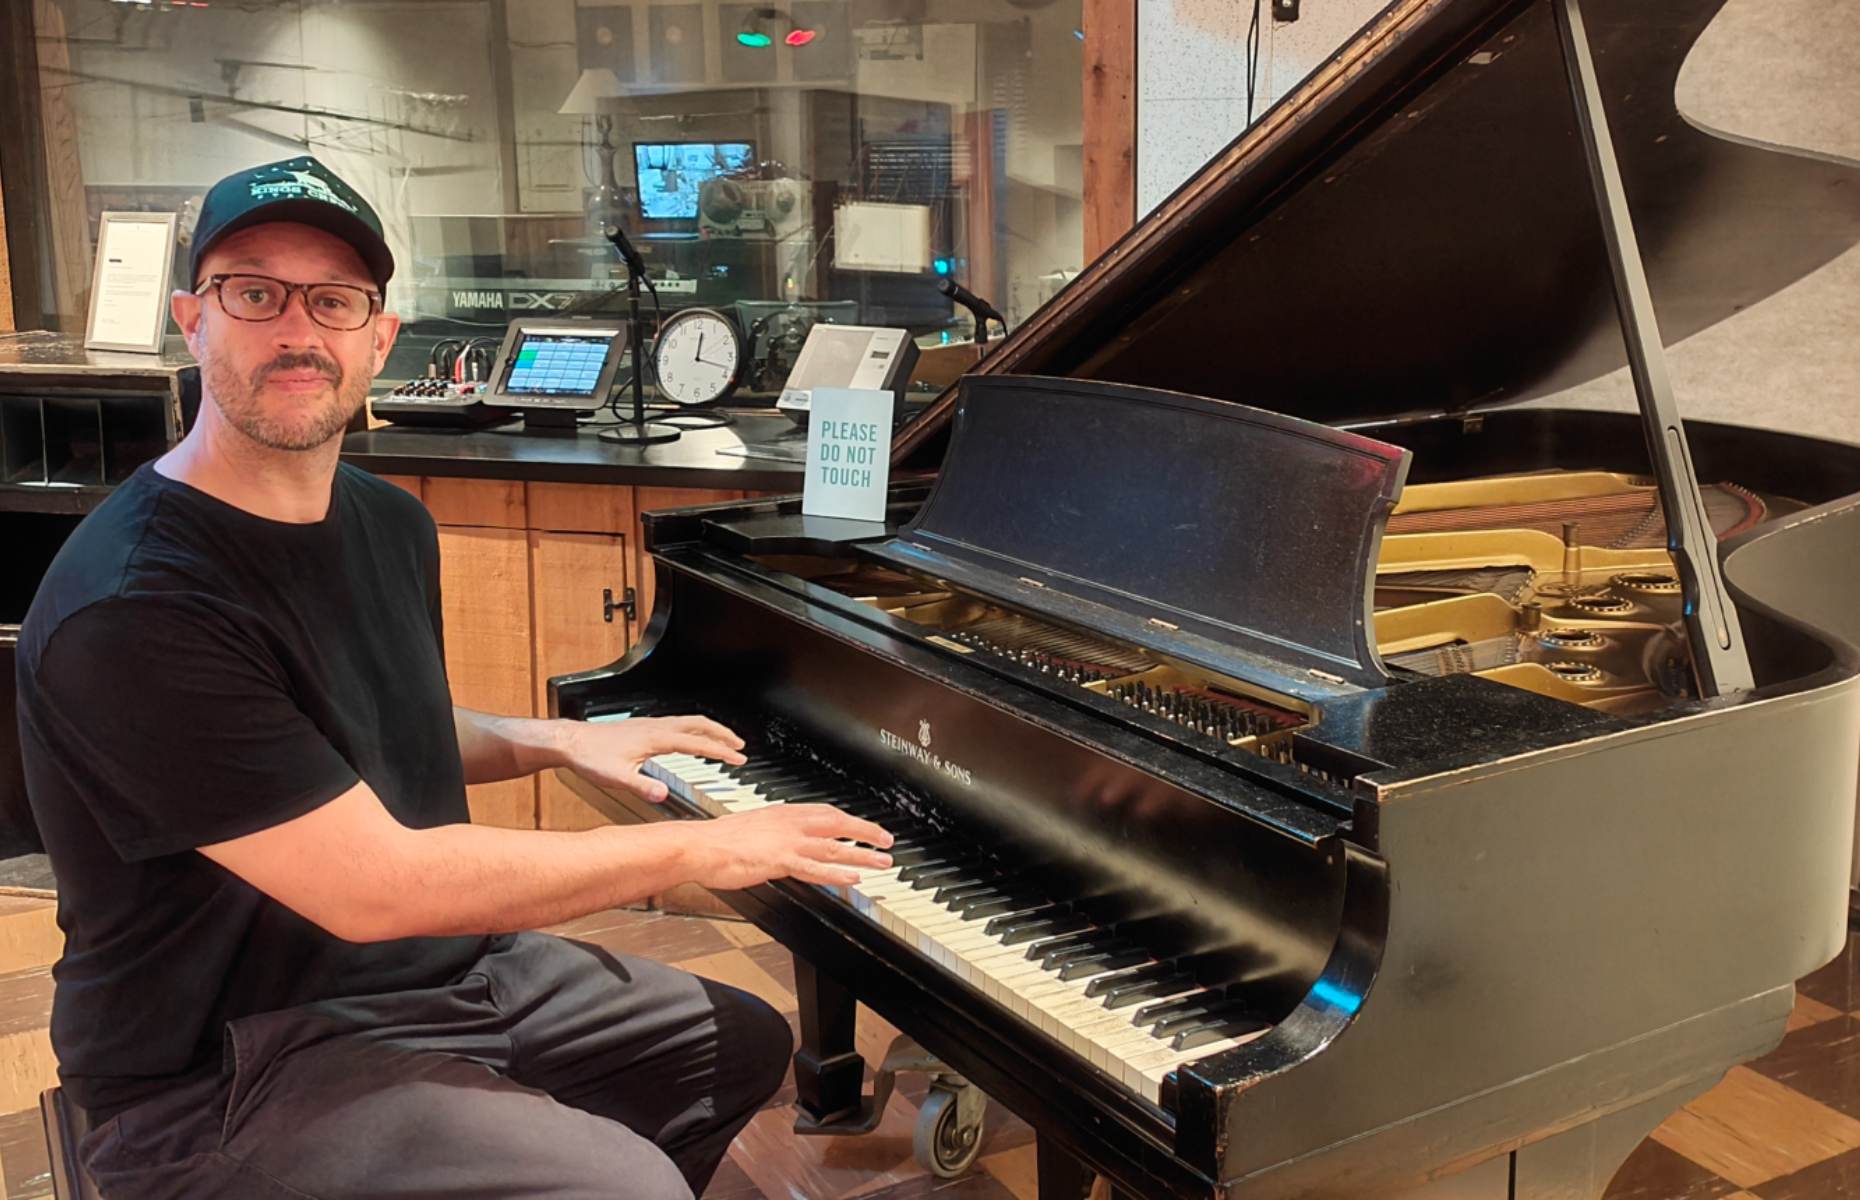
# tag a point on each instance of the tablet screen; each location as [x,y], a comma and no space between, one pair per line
[557,364]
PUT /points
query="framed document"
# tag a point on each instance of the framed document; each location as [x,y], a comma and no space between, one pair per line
[129,288]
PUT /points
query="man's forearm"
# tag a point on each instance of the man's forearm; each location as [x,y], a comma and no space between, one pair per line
[493,747]
[472,879]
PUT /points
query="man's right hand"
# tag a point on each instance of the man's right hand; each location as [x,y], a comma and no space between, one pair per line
[799,841]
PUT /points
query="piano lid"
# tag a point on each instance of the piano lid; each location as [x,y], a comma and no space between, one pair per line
[1240,540]
[1414,230]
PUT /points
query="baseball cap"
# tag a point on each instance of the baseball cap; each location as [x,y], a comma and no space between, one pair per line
[297,189]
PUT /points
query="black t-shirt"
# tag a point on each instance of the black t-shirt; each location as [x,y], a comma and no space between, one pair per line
[191,673]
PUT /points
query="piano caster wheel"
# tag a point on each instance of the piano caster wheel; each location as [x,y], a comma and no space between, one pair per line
[949,1126]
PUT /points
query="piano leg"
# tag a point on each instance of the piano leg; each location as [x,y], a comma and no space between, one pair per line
[829,1075]
[1578,1163]
[1063,1177]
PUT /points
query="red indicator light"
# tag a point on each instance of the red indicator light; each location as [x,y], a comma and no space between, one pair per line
[801,37]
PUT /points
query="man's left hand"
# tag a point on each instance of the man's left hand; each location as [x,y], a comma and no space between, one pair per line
[611,753]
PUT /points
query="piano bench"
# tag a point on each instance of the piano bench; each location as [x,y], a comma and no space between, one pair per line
[65,1127]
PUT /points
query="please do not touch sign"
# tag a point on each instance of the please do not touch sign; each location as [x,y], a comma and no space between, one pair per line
[848,454]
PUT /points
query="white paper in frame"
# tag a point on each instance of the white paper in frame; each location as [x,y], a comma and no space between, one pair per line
[130,282]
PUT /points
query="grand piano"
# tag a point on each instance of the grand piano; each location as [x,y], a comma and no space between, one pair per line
[1314,773]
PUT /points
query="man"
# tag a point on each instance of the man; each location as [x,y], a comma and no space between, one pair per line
[289,967]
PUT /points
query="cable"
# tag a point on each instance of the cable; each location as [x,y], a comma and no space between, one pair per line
[620,387]
[443,357]
[1252,60]
[480,356]
[691,416]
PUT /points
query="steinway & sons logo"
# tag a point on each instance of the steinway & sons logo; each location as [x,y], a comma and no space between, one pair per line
[920,750]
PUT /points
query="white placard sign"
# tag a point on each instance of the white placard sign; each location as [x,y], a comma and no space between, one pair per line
[848,454]
[129,288]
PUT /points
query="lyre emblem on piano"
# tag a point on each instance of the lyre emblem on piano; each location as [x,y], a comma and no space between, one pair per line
[923,733]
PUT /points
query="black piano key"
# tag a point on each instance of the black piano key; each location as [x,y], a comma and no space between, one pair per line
[1137,991]
[911,855]
[1226,1010]
[942,875]
[1089,946]
[1016,928]
[1052,945]
[782,795]
[1138,974]
[757,772]
[1194,1019]
[977,884]
[1192,1004]
[978,907]
[1008,898]
[810,778]
[870,810]
[942,850]
[1084,966]
[764,785]
[763,758]
[796,787]
[1215,1031]
[943,861]
[912,836]
[906,854]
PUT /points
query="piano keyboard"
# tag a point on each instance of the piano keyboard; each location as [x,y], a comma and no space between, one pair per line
[1104,998]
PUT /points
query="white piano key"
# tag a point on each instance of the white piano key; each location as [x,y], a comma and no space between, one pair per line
[1059,1009]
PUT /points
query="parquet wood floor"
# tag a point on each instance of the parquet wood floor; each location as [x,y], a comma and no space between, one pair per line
[1786,1127]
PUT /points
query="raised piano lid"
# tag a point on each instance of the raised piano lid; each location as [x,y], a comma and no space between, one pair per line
[1414,230]
[1238,539]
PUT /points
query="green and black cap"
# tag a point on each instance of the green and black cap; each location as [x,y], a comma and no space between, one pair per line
[299,189]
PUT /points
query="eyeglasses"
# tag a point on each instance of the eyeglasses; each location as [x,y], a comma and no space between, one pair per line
[338,306]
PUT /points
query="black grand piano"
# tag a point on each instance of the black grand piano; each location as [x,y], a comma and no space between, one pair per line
[1313,774]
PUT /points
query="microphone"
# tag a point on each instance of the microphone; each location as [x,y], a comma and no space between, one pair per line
[634,263]
[978,308]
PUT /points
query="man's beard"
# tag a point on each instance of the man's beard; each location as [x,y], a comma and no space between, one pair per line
[238,400]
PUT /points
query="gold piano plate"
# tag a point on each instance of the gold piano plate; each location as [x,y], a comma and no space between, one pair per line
[1472,579]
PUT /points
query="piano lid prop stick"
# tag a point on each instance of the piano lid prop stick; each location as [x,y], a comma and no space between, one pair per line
[1712,628]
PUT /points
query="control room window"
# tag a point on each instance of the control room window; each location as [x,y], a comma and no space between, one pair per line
[785,163]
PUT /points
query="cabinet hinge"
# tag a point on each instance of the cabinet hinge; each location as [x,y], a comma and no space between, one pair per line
[626,604]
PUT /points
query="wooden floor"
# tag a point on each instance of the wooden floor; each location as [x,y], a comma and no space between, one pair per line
[1784,1128]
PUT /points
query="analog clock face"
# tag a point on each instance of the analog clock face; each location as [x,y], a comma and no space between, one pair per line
[697,357]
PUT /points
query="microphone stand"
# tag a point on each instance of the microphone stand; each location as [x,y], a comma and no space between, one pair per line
[638,431]
[979,309]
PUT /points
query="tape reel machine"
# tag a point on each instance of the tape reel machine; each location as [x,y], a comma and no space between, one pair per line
[760,209]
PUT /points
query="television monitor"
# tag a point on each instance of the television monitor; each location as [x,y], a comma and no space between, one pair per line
[669,174]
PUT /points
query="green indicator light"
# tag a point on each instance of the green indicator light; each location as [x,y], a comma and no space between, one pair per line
[755,41]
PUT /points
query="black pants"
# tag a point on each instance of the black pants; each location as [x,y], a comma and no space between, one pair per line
[552,1069]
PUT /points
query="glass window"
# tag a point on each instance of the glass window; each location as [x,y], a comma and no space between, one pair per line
[783,164]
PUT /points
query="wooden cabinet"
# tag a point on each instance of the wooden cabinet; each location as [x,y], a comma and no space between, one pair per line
[484,580]
[484,576]
[577,580]
[581,566]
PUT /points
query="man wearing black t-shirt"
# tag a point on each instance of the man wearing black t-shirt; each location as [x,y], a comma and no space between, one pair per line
[291,966]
